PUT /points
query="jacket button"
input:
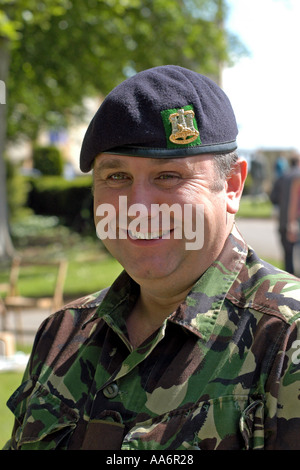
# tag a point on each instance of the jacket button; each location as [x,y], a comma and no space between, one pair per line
[111,391]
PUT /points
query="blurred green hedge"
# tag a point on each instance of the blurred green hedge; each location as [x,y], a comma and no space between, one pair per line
[70,200]
[48,160]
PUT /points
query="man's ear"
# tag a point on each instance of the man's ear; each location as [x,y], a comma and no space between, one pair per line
[235,185]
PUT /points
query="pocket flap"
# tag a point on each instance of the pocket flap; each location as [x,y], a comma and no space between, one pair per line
[46,418]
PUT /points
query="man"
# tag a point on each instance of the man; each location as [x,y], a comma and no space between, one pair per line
[285,195]
[195,345]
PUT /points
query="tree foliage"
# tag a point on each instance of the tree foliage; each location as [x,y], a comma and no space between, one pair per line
[54,53]
[64,50]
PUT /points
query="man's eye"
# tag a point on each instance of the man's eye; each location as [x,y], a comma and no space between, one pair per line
[117,179]
[168,177]
[117,176]
[165,177]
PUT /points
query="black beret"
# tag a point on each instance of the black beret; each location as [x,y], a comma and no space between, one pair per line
[163,112]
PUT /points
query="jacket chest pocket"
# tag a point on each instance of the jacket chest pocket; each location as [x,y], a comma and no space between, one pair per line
[47,421]
[225,423]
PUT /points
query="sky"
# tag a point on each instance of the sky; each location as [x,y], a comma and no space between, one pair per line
[264,88]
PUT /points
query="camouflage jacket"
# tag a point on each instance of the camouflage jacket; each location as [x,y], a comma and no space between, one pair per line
[222,372]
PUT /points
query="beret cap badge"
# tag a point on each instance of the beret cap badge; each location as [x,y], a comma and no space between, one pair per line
[183,130]
[181,127]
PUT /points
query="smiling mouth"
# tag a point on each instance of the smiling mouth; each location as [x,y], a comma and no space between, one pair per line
[149,236]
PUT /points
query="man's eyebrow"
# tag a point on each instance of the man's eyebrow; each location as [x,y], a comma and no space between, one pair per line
[109,164]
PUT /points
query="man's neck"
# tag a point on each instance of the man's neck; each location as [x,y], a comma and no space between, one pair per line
[149,313]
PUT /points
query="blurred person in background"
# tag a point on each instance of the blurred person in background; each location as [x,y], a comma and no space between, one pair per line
[286,197]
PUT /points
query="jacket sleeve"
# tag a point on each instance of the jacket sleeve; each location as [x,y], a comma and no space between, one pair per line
[22,393]
[282,422]
[16,396]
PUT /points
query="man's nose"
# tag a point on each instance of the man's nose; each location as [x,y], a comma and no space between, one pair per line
[141,194]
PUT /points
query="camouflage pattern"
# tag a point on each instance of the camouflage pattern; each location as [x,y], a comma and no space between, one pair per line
[221,373]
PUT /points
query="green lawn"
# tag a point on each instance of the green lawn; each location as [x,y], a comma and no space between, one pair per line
[83,277]
[9,382]
[255,208]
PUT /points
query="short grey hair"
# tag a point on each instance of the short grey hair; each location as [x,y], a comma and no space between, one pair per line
[224,164]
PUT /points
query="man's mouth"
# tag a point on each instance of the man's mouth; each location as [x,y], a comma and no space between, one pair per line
[149,235]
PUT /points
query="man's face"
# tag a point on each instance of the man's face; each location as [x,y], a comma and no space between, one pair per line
[161,253]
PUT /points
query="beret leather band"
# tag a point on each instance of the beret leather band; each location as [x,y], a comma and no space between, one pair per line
[163,112]
[217,149]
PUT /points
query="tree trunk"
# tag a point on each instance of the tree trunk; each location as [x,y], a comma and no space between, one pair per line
[6,246]
[220,18]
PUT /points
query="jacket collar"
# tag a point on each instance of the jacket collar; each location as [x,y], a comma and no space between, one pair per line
[199,312]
